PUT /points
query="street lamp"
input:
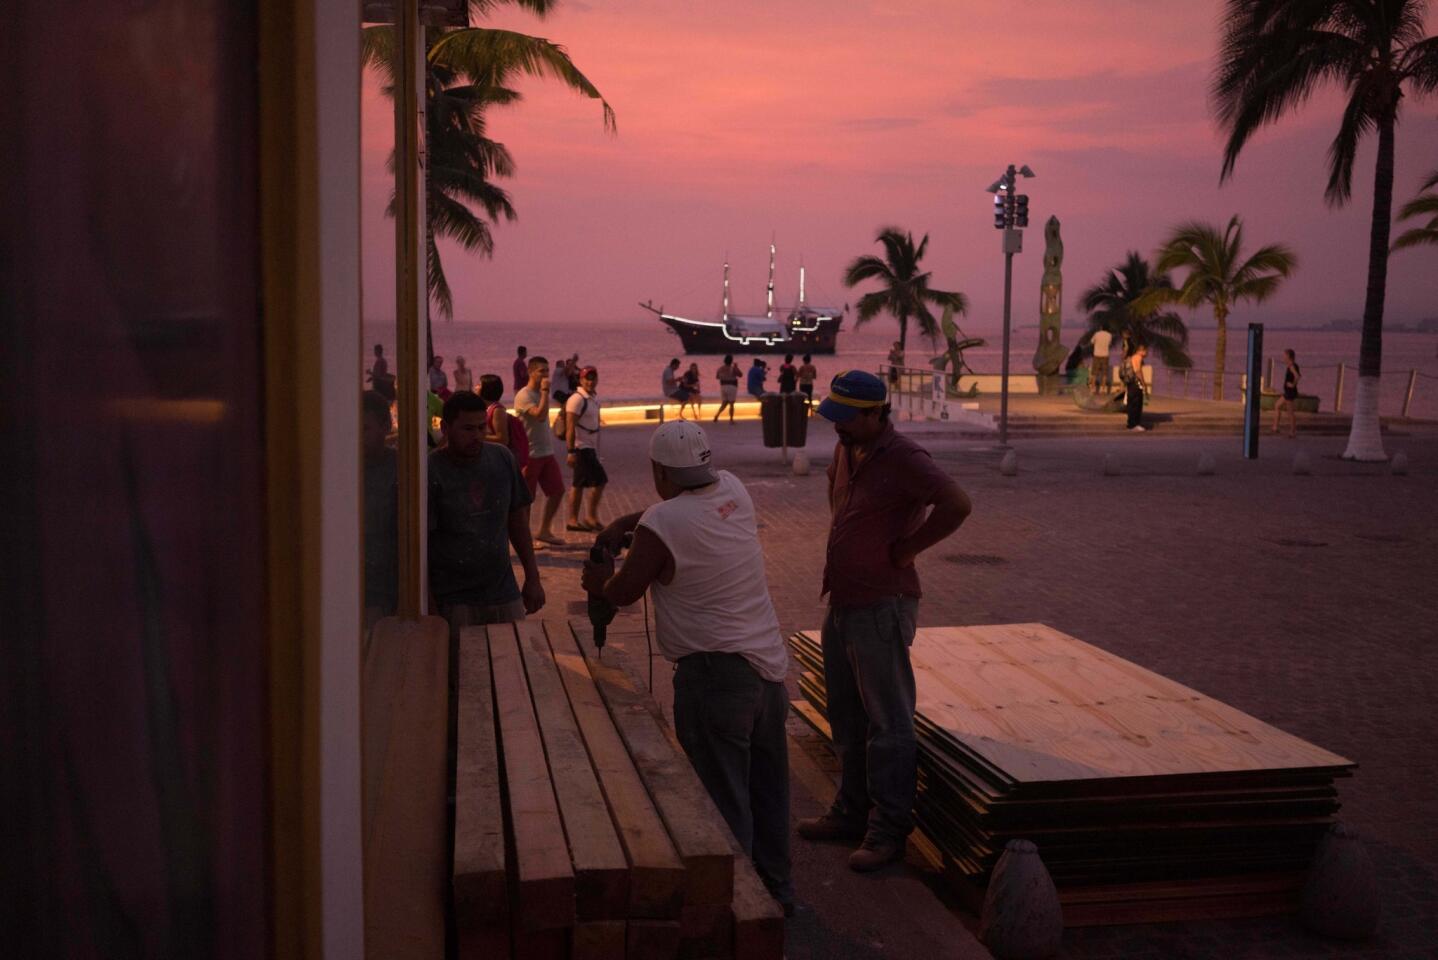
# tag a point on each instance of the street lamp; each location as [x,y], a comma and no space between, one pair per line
[1011,215]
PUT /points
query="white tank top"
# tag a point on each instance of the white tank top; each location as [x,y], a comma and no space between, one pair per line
[718,601]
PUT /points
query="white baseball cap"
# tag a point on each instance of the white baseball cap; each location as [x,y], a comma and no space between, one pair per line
[683,450]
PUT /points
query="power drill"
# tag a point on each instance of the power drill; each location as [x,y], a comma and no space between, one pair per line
[601,611]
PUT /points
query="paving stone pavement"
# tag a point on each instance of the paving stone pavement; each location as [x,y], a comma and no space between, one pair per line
[1307,601]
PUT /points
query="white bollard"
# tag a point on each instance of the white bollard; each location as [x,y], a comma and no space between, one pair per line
[1021,918]
[1009,465]
[1340,896]
[1110,465]
[801,464]
[1206,466]
[1302,466]
[1398,466]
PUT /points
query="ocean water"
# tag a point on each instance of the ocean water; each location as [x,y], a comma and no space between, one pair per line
[630,355]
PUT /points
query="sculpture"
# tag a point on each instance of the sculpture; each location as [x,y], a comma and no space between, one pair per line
[1050,354]
[953,357]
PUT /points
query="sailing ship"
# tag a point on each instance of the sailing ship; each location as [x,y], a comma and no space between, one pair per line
[806,328]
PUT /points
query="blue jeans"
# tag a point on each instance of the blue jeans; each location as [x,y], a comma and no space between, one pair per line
[870,685]
[730,722]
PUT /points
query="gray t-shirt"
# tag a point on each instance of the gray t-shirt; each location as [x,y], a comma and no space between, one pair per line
[469,505]
[540,433]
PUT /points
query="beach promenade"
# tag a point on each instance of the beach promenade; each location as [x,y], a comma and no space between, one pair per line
[1306,601]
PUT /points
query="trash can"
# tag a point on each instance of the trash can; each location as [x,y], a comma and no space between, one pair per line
[796,417]
[771,414]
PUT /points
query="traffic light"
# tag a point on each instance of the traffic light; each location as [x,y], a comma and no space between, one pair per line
[1021,210]
[998,211]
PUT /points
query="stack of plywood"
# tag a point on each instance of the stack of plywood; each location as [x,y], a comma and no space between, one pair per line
[1147,800]
[580,828]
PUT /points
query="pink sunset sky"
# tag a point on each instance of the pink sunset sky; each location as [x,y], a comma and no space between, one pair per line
[819,122]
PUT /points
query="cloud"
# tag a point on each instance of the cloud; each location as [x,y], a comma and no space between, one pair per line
[880,124]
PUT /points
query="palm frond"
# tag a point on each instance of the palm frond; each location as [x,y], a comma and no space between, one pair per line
[867,267]
[1420,206]
[489,57]
[869,306]
[1418,237]
[437,283]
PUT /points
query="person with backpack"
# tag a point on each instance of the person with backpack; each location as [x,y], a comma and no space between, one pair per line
[501,426]
[581,435]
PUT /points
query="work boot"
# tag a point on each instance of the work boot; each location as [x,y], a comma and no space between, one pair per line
[830,828]
[875,855]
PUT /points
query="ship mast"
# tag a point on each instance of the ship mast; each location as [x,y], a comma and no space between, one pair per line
[770,312]
[726,289]
[801,283]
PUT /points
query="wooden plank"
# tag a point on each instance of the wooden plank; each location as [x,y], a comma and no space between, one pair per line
[543,874]
[601,874]
[480,893]
[694,823]
[657,939]
[656,873]
[758,918]
[706,931]
[404,718]
[550,944]
[598,940]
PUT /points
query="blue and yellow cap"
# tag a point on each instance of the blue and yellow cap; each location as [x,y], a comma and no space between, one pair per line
[850,393]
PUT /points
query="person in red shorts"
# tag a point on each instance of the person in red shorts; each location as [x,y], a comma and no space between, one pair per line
[531,404]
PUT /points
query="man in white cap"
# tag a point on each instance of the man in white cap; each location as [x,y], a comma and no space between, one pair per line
[697,551]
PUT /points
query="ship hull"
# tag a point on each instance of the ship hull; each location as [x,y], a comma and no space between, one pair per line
[713,339]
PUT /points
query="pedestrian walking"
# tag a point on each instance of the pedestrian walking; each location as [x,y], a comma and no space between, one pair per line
[478,511]
[1100,375]
[881,486]
[582,443]
[1131,373]
[697,552]
[501,426]
[542,472]
[807,375]
[728,377]
[1288,400]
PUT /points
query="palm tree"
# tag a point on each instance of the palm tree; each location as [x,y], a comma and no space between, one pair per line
[1113,304]
[468,71]
[1218,276]
[906,292]
[1274,55]
[1423,205]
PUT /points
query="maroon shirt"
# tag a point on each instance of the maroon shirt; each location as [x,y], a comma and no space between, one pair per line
[872,505]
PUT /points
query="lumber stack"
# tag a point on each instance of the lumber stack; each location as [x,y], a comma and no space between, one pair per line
[581,830]
[1147,800]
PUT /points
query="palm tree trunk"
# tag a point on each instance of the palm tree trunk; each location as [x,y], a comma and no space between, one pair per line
[903,333]
[1220,359]
[1365,441]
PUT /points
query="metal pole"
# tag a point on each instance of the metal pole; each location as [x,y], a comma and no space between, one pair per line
[1408,397]
[1338,392]
[1251,392]
[1268,381]
[410,295]
[1004,376]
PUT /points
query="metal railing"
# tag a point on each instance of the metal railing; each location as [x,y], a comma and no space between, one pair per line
[1197,384]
